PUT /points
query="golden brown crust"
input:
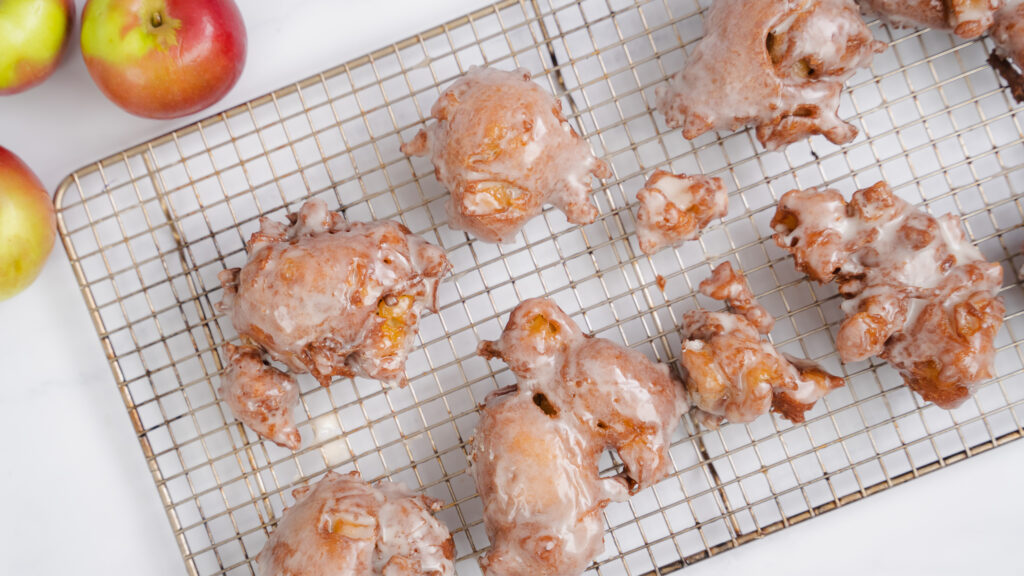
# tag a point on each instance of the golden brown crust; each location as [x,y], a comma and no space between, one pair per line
[1014,79]
[948,350]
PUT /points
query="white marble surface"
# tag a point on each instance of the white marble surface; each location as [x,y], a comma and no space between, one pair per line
[78,497]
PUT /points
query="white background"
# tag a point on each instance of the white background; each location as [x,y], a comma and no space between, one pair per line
[77,496]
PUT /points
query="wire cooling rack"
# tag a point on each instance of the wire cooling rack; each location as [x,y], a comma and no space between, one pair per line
[147,231]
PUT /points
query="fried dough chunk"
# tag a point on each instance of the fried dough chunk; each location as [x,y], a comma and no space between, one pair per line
[732,373]
[341,525]
[917,293]
[728,285]
[332,298]
[260,396]
[503,150]
[536,449]
[674,208]
[778,65]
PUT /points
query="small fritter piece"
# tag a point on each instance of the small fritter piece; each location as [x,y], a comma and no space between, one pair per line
[342,525]
[260,396]
[535,454]
[779,65]
[731,287]
[732,374]
[674,208]
[330,298]
[966,18]
[917,293]
[503,150]
[1008,35]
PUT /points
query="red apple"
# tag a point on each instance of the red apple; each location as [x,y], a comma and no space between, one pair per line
[163,58]
[27,225]
[33,36]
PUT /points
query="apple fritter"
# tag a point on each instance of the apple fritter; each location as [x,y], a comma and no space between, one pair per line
[259,395]
[341,525]
[732,373]
[917,293]
[333,298]
[536,448]
[674,208]
[776,65]
[503,150]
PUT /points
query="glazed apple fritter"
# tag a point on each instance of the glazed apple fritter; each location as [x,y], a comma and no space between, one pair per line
[503,150]
[326,297]
[778,65]
[1002,19]
[536,448]
[674,208]
[918,294]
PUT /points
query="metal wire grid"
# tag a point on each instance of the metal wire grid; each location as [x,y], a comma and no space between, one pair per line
[147,231]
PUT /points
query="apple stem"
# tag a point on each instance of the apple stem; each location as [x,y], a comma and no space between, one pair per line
[157,20]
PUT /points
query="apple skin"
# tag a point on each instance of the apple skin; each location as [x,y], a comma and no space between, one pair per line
[163,58]
[33,37]
[27,225]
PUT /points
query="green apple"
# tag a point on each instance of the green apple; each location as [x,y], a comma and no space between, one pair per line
[33,36]
[27,225]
